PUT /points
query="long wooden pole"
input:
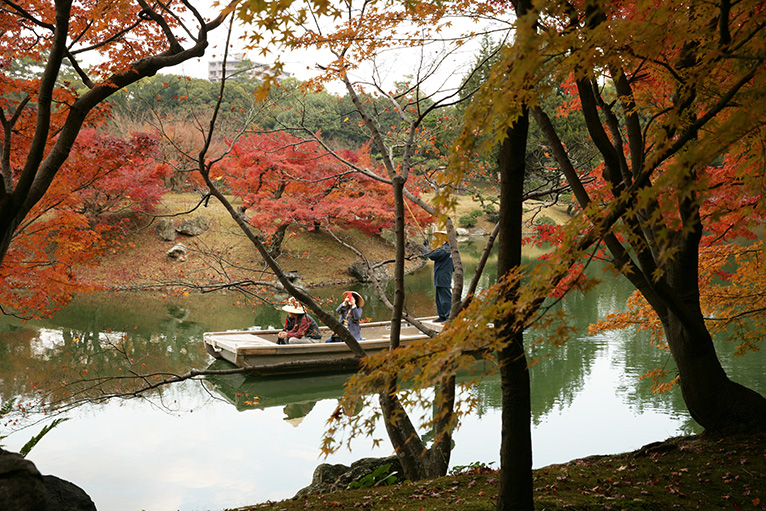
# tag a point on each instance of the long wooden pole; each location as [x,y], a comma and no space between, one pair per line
[406,203]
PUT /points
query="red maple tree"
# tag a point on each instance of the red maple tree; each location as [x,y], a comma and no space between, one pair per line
[103,184]
[47,96]
[284,181]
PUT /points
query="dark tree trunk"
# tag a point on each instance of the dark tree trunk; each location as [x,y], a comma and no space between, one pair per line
[444,423]
[718,404]
[516,440]
[403,435]
[515,491]
[417,461]
[275,241]
[713,400]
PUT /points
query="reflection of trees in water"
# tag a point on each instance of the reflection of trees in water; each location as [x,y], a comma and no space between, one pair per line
[16,350]
[637,356]
[629,352]
[70,356]
[63,358]
[166,335]
[555,380]
[149,313]
[560,373]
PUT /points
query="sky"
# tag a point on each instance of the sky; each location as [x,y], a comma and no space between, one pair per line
[393,66]
[303,67]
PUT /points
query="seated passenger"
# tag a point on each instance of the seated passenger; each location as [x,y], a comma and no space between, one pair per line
[300,328]
[350,311]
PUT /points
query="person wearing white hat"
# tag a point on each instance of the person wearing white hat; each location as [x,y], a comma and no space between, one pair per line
[300,328]
[350,311]
[443,268]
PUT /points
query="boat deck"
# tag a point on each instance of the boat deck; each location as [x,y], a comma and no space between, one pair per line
[258,349]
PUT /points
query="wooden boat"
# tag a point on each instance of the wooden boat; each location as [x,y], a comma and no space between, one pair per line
[258,349]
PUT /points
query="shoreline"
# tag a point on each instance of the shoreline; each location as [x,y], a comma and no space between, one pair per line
[701,472]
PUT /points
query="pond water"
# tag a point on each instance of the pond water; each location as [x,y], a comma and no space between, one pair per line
[202,446]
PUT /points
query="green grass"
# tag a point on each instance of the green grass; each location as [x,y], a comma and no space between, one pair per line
[684,473]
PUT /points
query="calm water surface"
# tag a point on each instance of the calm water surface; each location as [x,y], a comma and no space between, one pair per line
[201,446]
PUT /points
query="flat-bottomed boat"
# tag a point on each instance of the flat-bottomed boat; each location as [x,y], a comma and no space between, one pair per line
[258,349]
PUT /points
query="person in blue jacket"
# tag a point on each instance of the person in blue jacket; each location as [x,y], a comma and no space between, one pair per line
[443,268]
[350,314]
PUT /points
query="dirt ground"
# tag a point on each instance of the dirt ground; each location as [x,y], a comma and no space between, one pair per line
[223,254]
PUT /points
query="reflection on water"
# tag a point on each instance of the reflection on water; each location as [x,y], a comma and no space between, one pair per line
[586,398]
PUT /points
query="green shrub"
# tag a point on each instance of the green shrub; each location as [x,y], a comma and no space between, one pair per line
[493,215]
[476,213]
[380,477]
[467,221]
[544,220]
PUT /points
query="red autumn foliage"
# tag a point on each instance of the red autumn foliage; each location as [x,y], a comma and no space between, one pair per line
[100,188]
[48,95]
[285,181]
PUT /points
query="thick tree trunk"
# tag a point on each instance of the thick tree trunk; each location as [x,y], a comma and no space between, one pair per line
[516,439]
[417,462]
[444,424]
[403,436]
[713,400]
[718,404]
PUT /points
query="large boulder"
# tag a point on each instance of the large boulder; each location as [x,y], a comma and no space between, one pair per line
[65,496]
[323,481]
[331,478]
[21,485]
[295,278]
[23,488]
[477,231]
[166,229]
[360,272]
[194,226]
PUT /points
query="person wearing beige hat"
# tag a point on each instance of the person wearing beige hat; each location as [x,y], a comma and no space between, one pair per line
[300,328]
[350,311]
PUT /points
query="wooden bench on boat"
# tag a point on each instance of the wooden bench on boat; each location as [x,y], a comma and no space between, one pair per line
[259,351]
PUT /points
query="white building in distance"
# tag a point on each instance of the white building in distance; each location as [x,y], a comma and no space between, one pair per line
[237,65]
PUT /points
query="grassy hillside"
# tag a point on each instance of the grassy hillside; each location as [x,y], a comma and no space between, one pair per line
[224,253]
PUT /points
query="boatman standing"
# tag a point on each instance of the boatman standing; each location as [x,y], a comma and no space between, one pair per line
[443,268]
